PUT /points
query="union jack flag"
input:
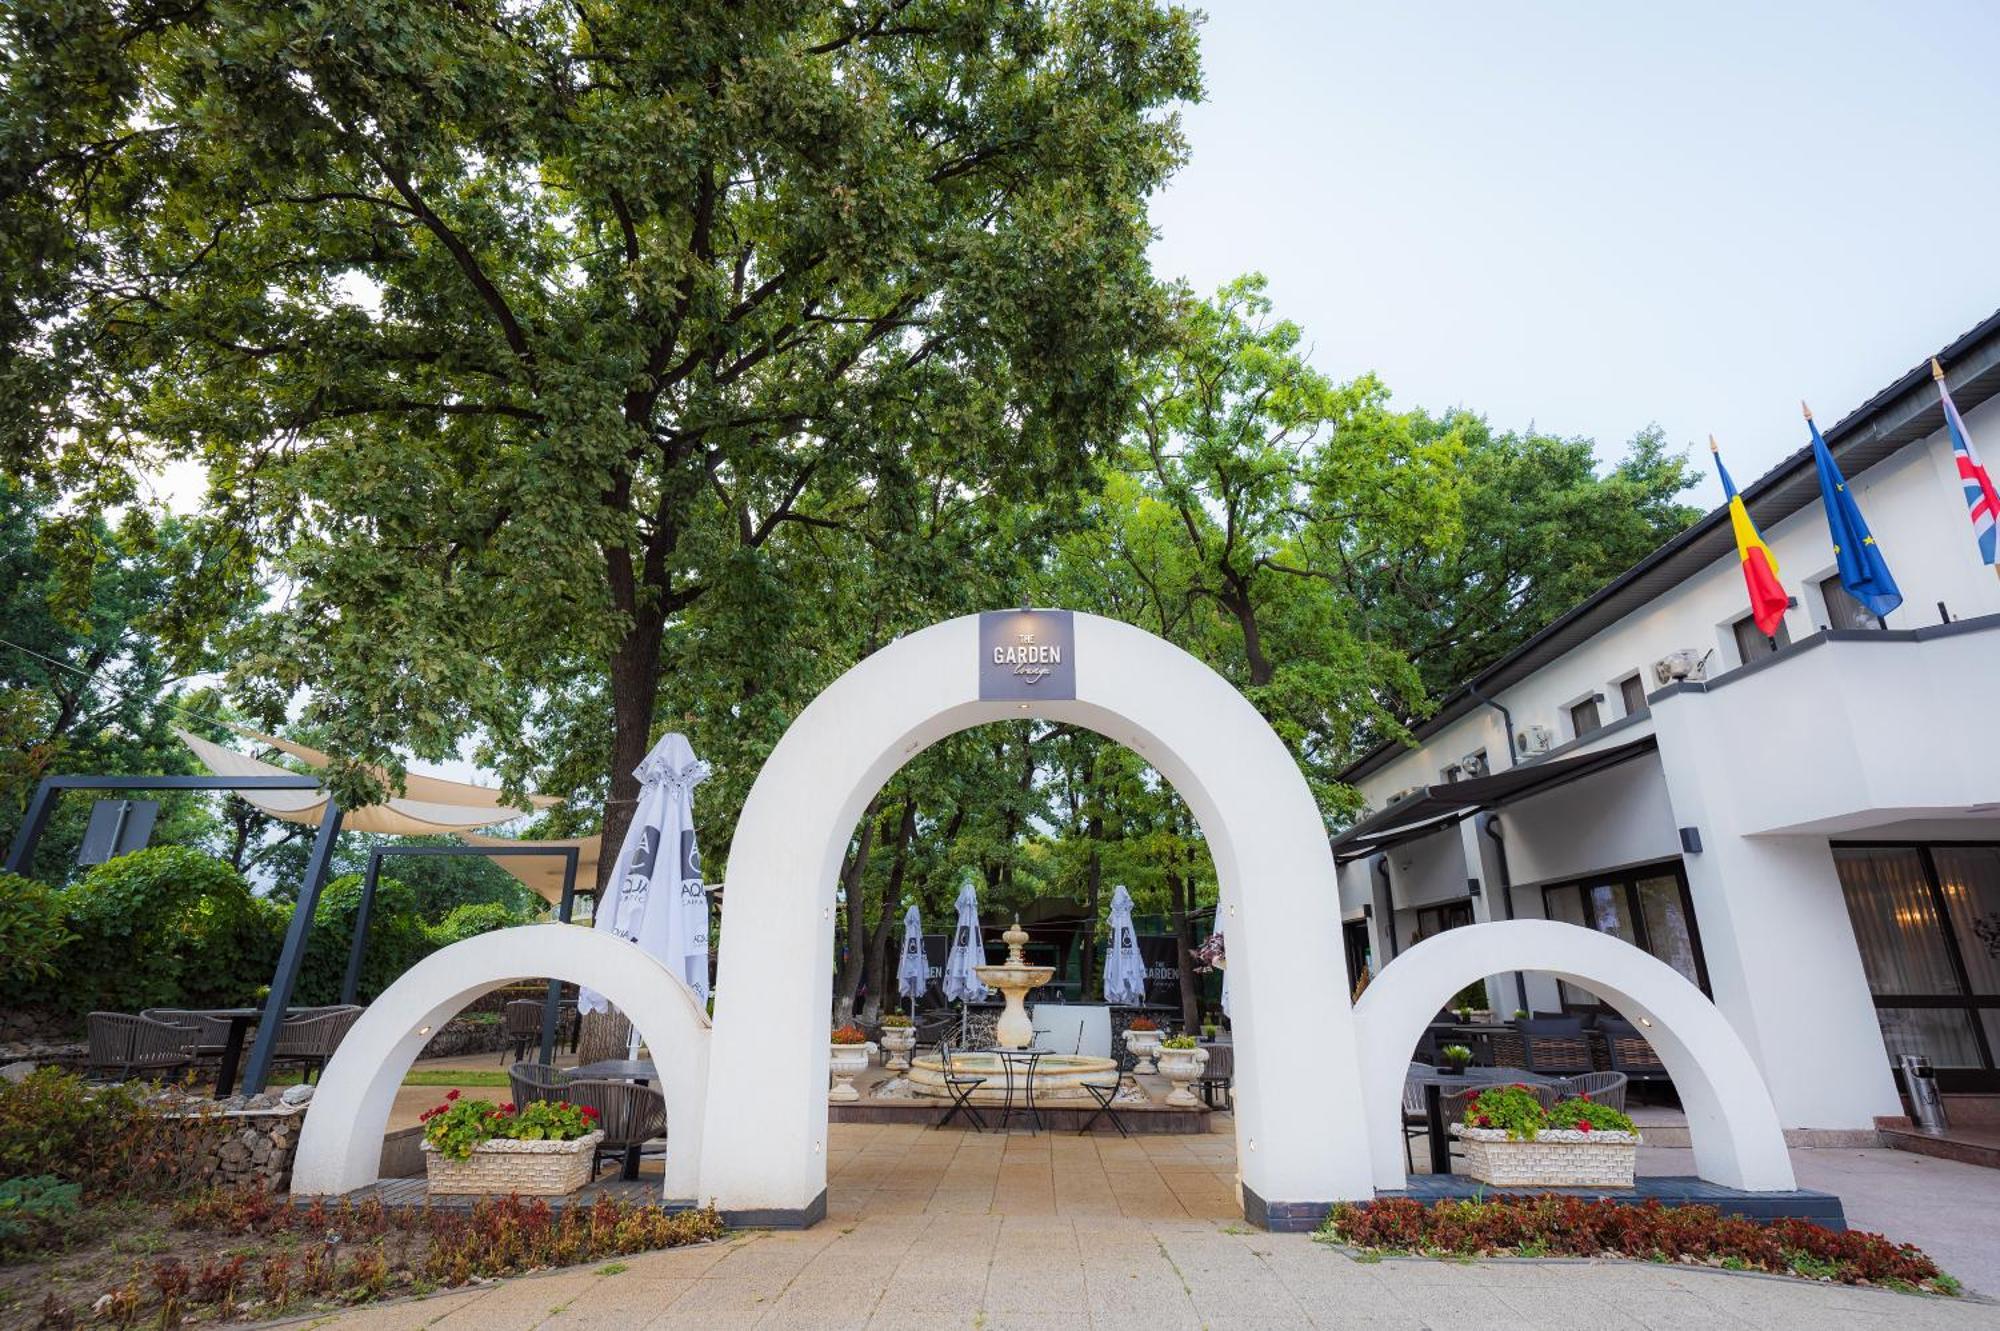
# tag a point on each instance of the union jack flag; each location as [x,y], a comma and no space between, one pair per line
[1982,501]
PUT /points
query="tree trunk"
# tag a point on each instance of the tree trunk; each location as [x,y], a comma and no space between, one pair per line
[1180,891]
[635,692]
[880,976]
[1236,600]
[847,983]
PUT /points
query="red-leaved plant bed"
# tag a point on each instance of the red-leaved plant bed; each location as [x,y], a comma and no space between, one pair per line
[1575,1227]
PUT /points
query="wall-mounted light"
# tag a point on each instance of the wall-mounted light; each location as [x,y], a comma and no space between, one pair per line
[1472,887]
[1647,1022]
[1691,840]
[423,1030]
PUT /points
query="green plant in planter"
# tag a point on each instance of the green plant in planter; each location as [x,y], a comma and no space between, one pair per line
[1457,1055]
[1520,1014]
[1142,1024]
[850,1034]
[1513,1110]
[1179,1042]
[896,1021]
[1586,1115]
[458,1125]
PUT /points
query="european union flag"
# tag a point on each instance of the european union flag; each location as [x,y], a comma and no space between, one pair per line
[1863,571]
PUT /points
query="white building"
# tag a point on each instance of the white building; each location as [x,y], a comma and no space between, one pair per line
[1812,834]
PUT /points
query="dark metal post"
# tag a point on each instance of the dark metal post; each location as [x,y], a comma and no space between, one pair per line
[350,984]
[553,1003]
[294,951]
[21,856]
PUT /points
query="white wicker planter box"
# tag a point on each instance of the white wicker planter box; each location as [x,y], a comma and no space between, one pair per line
[1556,1158]
[501,1167]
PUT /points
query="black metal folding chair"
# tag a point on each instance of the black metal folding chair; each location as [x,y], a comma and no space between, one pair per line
[961,1086]
[1106,1095]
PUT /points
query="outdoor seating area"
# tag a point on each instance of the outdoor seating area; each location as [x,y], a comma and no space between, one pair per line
[1551,1043]
[165,1043]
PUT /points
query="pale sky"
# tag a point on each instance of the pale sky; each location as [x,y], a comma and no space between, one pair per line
[1591,216]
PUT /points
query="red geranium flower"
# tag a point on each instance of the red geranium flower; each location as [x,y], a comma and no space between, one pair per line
[1520,1086]
[1485,1122]
[1585,1097]
[589,1112]
[1583,1125]
[451,1094]
[507,1108]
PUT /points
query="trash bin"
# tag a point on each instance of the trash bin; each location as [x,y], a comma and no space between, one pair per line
[1921,1082]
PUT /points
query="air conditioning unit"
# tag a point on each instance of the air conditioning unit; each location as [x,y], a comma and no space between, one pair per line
[1473,764]
[1687,663]
[1535,739]
[1402,795]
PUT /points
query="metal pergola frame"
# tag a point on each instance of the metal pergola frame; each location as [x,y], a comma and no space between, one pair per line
[350,984]
[20,857]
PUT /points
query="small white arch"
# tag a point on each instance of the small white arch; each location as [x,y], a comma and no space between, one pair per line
[764,1149]
[1737,1138]
[340,1146]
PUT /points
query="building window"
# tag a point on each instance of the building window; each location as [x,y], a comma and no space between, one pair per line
[1927,920]
[1647,907]
[1433,920]
[1632,693]
[1751,644]
[1842,610]
[1583,718]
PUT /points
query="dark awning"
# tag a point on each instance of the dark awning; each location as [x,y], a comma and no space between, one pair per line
[1435,807]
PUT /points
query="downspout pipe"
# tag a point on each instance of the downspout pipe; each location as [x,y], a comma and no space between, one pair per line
[1381,867]
[1490,824]
[1506,719]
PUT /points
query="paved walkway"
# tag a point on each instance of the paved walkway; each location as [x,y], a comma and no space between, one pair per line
[1059,1232]
[1061,1273]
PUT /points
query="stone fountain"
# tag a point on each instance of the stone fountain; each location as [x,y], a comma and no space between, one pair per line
[1057,1077]
[1014,978]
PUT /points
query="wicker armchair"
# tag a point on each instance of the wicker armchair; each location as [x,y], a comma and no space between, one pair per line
[1554,1045]
[521,1023]
[309,1041]
[537,1081]
[206,1035]
[1628,1051]
[630,1115]
[1416,1116]
[1607,1088]
[125,1046]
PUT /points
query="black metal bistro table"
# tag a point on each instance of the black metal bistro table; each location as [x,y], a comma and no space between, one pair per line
[1435,1084]
[1010,1059]
[640,1070]
[239,1019]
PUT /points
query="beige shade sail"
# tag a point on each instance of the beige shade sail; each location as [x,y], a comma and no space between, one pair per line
[543,874]
[399,816]
[433,789]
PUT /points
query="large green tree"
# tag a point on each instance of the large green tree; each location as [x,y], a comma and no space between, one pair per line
[508,332]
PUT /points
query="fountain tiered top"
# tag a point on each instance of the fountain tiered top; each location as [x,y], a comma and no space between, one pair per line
[1013,979]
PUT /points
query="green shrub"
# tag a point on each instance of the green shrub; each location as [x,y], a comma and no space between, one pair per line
[106,1138]
[1513,1110]
[32,935]
[397,939]
[473,919]
[168,926]
[33,1210]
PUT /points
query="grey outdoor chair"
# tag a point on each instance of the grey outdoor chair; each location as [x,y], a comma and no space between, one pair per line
[629,1115]
[1606,1088]
[1627,1051]
[206,1035]
[961,1085]
[537,1081]
[1416,1115]
[127,1046]
[521,1023]
[1554,1045]
[309,1041]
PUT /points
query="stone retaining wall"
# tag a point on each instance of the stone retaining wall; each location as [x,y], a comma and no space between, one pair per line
[254,1148]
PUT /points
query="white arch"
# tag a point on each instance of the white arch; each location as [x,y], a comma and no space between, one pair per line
[1299,1114]
[1737,1139]
[341,1144]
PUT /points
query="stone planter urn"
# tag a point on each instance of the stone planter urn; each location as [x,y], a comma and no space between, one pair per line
[897,1042]
[845,1061]
[499,1167]
[1142,1045]
[1554,1157]
[1182,1067]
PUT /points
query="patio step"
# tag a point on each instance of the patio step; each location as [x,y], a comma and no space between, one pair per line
[1968,1145]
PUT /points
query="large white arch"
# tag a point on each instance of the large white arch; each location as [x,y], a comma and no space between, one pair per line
[1300,1144]
[341,1145]
[1738,1141]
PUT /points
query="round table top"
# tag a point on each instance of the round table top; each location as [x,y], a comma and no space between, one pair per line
[618,1069]
[233,1012]
[1480,1077]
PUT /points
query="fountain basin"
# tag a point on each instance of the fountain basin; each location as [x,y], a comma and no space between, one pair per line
[1058,1078]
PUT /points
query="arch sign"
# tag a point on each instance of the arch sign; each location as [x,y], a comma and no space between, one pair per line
[1307,1072]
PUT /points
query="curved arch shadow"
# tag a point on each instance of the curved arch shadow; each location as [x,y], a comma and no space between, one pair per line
[1737,1138]
[340,1145]
[766,1134]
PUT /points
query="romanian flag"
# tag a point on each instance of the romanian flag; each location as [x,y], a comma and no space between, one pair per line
[1760,567]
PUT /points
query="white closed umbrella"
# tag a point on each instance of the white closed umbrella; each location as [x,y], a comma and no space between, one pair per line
[655,887]
[1124,970]
[913,973]
[961,983]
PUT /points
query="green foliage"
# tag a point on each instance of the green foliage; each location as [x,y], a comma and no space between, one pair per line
[108,1139]
[472,919]
[398,939]
[1456,1054]
[1179,1042]
[1512,1109]
[1584,1110]
[34,1209]
[458,1125]
[165,926]
[32,935]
